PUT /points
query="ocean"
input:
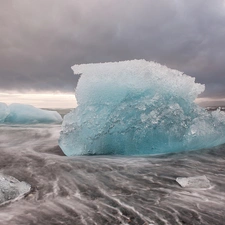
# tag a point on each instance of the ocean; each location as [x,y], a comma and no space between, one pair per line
[107,189]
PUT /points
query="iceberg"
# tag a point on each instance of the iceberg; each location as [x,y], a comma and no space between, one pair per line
[138,107]
[26,114]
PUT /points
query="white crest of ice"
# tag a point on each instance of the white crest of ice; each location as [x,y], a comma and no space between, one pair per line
[26,114]
[138,107]
[107,82]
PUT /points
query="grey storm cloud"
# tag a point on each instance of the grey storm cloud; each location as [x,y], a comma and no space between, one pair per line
[41,40]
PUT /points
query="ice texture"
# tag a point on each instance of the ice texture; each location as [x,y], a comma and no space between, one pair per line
[12,189]
[138,107]
[26,114]
[194,182]
[4,111]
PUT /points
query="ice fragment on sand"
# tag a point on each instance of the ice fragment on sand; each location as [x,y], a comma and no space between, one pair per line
[11,188]
[27,114]
[194,182]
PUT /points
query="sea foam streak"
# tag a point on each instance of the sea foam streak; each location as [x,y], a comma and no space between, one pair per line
[138,107]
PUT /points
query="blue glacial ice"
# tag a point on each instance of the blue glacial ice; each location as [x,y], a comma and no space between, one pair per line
[138,107]
[26,114]
[4,111]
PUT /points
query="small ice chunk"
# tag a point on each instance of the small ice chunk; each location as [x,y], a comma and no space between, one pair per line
[194,182]
[11,188]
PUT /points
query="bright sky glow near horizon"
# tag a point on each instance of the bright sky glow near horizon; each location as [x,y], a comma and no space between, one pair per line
[40,100]
[41,40]
[63,100]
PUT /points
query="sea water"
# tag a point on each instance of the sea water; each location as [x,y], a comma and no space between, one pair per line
[107,189]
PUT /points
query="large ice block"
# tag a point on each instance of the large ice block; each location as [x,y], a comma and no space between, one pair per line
[138,107]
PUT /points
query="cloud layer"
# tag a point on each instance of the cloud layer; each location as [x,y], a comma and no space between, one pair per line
[41,40]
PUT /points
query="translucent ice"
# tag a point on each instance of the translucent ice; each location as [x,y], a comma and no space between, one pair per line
[138,107]
[194,182]
[4,111]
[27,114]
[11,188]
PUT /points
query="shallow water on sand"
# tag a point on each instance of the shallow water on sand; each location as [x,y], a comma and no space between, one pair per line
[105,189]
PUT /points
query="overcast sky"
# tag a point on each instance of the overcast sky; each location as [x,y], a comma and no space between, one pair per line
[41,39]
